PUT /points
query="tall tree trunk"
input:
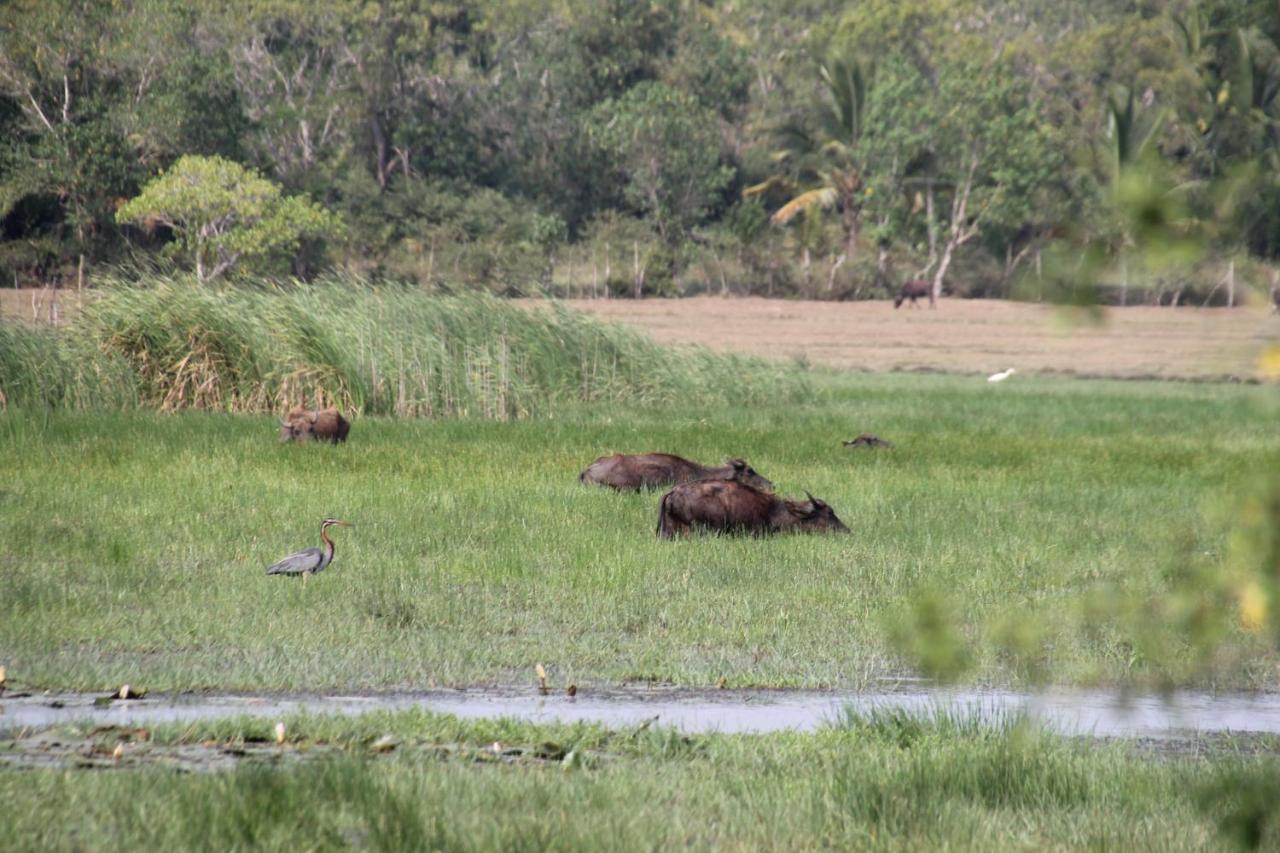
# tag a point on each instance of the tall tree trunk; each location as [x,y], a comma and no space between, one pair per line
[931,217]
[638,270]
[943,264]
[957,233]
[1124,279]
[724,282]
[380,159]
[1011,262]
[851,227]
[835,267]
[80,266]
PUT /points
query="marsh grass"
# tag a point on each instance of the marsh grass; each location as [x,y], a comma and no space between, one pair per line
[132,545]
[884,782]
[387,350]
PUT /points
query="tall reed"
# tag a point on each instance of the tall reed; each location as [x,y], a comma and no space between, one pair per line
[391,350]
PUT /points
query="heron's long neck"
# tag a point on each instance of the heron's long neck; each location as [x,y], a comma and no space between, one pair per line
[328,543]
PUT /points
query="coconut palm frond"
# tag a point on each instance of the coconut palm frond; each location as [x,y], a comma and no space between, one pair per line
[763,187]
[821,197]
[848,83]
[1127,137]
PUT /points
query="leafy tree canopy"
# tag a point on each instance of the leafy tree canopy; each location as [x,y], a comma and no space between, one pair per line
[224,215]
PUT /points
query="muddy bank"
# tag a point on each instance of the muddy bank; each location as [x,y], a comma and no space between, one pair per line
[1096,714]
[125,747]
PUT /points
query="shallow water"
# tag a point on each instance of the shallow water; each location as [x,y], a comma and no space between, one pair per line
[1096,713]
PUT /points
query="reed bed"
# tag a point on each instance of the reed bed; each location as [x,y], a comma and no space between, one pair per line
[168,344]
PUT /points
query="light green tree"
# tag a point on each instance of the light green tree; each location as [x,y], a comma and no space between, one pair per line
[223,215]
[992,152]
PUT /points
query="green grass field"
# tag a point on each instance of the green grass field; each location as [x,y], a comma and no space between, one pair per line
[885,782]
[133,545]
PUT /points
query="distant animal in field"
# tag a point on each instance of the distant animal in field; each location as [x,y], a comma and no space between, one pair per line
[866,439]
[913,290]
[633,472]
[310,560]
[726,506]
[322,425]
[1002,375]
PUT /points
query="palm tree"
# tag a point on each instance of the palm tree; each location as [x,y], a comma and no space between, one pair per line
[1126,140]
[825,161]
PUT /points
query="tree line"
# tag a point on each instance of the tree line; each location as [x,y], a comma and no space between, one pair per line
[1097,150]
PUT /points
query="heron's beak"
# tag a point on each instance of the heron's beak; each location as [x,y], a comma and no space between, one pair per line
[345,524]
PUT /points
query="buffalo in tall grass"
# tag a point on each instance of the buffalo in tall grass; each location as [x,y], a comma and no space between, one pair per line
[320,425]
[633,472]
[729,507]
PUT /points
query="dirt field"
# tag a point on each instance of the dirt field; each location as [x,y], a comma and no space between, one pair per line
[963,336]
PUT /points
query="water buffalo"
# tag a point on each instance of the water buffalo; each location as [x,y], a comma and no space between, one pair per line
[633,472]
[322,425]
[913,290]
[731,507]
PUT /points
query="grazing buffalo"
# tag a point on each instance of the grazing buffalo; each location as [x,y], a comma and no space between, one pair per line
[322,425]
[632,472]
[730,507]
[913,290]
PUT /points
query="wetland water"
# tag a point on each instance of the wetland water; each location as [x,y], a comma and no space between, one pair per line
[1092,713]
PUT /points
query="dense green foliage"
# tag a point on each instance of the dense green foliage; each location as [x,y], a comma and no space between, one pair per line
[134,544]
[390,350]
[884,782]
[586,146]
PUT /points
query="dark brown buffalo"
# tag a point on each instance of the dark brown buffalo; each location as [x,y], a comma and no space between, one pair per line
[629,473]
[322,425]
[730,507]
[913,290]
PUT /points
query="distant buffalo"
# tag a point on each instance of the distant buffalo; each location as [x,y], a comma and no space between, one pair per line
[913,290]
[322,425]
[630,473]
[729,507]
